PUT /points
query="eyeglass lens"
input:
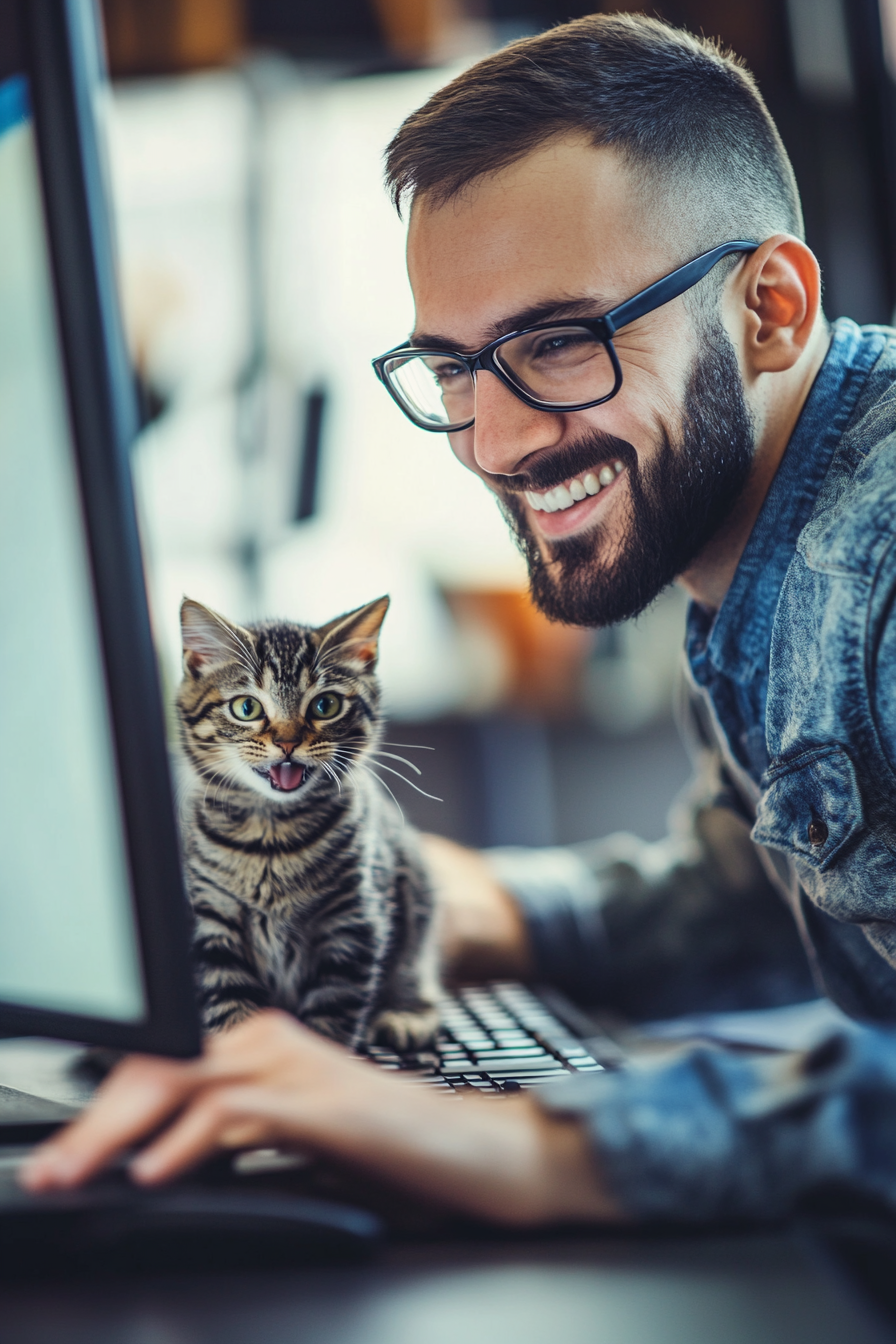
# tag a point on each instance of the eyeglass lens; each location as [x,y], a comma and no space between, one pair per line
[560,366]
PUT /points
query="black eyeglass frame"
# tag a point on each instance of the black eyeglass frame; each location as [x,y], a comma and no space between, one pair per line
[662,291]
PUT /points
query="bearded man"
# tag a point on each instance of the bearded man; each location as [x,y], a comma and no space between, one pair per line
[619,328]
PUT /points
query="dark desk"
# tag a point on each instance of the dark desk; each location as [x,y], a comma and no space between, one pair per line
[756,1289]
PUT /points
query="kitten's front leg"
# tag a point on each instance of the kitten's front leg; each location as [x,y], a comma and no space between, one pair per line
[344,967]
[229,988]
[408,1016]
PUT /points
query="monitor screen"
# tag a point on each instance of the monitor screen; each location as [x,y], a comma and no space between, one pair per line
[68,930]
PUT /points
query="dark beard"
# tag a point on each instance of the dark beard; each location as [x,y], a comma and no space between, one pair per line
[676,503]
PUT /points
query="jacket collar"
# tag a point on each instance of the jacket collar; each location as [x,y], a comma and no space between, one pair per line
[738,640]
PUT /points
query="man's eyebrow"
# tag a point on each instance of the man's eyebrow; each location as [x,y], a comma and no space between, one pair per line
[556,310]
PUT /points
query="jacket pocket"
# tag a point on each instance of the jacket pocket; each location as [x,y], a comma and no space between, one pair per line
[811,810]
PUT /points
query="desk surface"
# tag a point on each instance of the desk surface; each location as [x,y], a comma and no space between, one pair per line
[756,1289]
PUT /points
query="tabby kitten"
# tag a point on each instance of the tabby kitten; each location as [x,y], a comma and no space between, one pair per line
[308,893]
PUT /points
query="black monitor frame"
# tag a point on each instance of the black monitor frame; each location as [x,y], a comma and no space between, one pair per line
[60,52]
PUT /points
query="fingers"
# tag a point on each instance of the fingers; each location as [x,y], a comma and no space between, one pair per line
[222,1119]
[143,1093]
[139,1096]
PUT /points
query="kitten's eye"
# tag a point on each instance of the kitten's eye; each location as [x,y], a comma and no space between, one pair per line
[246,708]
[326,706]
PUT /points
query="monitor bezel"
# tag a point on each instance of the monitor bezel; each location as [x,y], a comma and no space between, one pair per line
[64,65]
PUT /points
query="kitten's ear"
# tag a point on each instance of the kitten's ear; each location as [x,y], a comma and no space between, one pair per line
[210,639]
[355,635]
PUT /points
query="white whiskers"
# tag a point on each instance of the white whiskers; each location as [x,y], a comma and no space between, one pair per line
[385,786]
[392,757]
[379,766]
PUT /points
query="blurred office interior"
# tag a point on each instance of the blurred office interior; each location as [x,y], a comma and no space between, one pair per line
[262,267]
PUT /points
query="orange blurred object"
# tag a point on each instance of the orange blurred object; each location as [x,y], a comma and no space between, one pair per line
[543,662]
[167,36]
[430,30]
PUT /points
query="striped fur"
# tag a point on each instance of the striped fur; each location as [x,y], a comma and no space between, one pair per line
[311,898]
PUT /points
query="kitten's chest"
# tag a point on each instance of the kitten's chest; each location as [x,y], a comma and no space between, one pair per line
[276,868]
[280,954]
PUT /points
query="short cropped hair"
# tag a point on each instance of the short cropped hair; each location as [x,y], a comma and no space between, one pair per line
[684,114]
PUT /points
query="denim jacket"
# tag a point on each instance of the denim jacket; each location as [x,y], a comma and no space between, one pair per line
[792,713]
[798,671]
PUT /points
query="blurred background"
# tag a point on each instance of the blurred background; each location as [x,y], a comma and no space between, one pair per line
[262,268]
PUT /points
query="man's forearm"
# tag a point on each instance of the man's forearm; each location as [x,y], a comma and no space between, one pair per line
[510,1163]
[483,931]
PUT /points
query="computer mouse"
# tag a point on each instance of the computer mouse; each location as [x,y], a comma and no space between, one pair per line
[114,1226]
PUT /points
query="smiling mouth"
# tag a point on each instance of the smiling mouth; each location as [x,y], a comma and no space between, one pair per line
[574,491]
[285,776]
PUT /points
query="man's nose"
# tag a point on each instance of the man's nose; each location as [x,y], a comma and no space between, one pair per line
[506,430]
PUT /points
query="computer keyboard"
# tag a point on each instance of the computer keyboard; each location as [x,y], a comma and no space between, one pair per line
[495,1039]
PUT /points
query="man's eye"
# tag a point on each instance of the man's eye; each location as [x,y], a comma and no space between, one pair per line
[327,706]
[560,345]
[448,373]
[246,708]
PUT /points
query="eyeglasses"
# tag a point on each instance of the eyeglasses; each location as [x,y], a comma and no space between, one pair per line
[554,366]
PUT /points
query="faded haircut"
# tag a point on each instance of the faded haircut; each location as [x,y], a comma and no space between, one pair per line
[684,114]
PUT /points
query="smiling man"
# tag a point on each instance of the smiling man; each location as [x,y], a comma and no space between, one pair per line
[618,326]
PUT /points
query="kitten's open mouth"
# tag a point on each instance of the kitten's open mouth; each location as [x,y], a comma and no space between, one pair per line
[286,776]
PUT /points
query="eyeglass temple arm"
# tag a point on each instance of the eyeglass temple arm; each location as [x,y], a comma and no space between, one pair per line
[671,285]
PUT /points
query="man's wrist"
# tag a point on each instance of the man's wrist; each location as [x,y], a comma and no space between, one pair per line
[573,1184]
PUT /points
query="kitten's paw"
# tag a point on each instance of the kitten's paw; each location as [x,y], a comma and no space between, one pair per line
[405,1030]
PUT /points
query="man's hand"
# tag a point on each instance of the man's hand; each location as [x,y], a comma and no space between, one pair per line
[270,1082]
[482,931]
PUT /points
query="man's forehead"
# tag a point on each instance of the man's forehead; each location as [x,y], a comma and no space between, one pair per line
[565,224]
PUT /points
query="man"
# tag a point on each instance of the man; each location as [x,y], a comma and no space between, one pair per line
[640,419]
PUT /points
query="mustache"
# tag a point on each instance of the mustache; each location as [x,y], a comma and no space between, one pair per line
[574,459]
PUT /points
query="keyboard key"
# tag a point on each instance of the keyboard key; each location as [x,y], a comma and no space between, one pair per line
[531,1079]
[521,1067]
[383,1056]
[507,1057]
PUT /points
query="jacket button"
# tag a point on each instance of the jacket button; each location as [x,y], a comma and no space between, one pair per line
[818,832]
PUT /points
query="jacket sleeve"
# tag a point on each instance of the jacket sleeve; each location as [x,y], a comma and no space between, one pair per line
[715,1135]
[655,930]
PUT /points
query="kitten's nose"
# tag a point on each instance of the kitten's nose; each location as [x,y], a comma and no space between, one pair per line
[286,747]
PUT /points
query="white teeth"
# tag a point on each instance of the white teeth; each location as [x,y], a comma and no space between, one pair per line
[563,496]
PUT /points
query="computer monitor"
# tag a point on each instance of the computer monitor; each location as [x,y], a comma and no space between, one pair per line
[94,930]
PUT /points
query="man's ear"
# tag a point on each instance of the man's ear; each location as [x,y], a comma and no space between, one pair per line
[209,639]
[782,290]
[355,635]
